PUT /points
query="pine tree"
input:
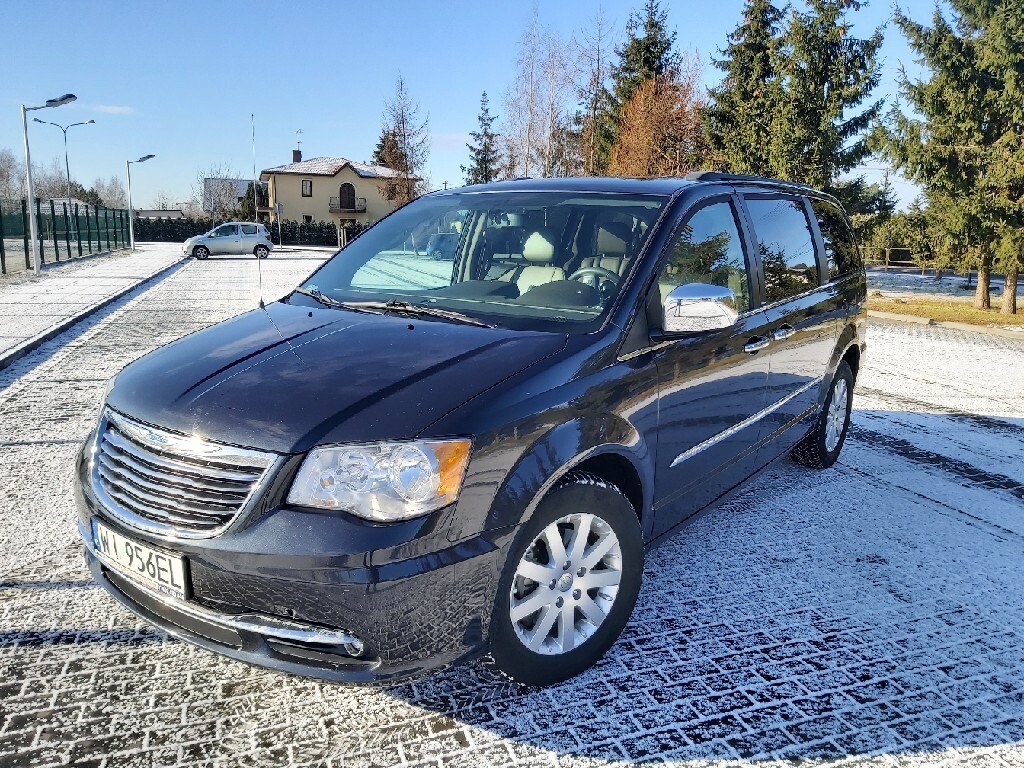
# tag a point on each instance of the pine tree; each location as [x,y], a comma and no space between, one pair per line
[743,108]
[828,73]
[966,149]
[484,157]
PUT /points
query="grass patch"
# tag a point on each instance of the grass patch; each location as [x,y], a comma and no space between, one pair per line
[945,311]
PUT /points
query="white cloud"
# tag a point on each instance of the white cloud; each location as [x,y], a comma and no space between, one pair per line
[113,110]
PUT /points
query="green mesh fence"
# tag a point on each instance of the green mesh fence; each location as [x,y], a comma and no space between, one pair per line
[65,232]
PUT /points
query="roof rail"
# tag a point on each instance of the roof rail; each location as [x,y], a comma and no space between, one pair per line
[744,178]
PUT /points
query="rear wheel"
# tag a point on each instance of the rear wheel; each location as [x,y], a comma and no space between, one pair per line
[569,584]
[261,252]
[821,446]
[201,252]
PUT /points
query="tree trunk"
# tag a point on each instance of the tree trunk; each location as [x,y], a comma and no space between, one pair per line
[981,298]
[1009,306]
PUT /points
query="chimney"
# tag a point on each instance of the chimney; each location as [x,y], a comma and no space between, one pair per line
[296,155]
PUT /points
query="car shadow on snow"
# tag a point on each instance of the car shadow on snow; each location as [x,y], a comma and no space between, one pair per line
[814,616]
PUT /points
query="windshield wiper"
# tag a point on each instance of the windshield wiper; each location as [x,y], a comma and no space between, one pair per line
[416,309]
[327,301]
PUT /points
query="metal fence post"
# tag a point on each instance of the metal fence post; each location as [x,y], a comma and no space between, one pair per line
[78,231]
[106,227]
[116,245]
[24,230]
[99,240]
[53,230]
[67,231]
[3,257]
[41,231]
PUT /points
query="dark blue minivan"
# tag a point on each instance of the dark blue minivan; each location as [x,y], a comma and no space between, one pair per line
[406,463]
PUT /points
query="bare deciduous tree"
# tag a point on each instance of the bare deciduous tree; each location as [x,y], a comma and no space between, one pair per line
[12,176]
[215,191]
[111,192]
[536,103]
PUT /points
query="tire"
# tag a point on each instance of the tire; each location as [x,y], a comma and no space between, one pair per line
[599,613]
[261,252]
[821,446]
[201,252]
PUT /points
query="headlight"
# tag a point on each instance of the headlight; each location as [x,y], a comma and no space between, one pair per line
[383,482]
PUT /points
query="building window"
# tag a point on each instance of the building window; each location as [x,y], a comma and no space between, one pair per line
[307,187]
[307,218]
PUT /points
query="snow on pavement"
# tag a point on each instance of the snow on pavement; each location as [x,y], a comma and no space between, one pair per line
[868,614]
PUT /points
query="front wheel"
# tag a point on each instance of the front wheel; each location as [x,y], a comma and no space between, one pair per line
[261,252]
[201,252]
[569,584]
[821,446]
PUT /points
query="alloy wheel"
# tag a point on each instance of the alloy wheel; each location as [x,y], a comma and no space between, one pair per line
[565,584]
[836,418]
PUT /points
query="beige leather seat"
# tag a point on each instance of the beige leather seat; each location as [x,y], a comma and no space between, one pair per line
[539,251]
[612,246]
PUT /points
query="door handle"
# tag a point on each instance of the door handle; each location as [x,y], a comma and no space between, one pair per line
[783,332]
[756,344]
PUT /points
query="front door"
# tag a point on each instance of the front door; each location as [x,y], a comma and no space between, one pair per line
[711,384]
[800,314]
[225,239]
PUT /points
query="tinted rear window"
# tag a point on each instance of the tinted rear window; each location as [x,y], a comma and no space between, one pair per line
[786,246]
[248,229]
[840,244]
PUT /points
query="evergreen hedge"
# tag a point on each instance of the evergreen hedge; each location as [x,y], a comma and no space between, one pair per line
[292,232]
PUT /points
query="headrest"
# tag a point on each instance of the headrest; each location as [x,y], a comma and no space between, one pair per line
[539,247]
[612,237]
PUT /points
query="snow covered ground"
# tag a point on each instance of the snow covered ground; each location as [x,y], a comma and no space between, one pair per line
[871,614]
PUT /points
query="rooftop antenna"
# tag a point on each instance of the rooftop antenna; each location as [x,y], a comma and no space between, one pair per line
[255,204]
[298,141]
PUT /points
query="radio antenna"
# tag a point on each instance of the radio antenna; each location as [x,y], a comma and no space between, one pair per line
[256,204]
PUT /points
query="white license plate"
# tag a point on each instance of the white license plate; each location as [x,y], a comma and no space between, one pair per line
[152,567]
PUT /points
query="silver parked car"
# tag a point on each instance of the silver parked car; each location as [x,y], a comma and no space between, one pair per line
[233,238]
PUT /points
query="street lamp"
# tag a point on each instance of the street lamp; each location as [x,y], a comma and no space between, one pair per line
[131,211]
[64,128]
[33,226]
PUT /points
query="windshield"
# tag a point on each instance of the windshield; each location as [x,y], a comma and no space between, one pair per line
[524,260]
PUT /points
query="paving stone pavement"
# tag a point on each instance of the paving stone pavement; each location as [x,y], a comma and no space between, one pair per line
[870,614]
[31,305]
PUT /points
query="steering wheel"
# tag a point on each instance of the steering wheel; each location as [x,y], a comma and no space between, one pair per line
[596,272]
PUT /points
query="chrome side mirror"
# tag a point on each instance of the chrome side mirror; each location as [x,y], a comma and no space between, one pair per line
[696,307]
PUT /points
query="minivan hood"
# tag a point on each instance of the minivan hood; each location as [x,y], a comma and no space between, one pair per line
[289,377]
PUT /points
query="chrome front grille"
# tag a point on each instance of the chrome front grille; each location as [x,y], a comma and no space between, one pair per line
[173,483]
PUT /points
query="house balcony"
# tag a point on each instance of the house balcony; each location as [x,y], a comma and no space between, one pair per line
[348,205]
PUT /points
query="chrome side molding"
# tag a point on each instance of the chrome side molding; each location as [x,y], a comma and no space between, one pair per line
[743,424]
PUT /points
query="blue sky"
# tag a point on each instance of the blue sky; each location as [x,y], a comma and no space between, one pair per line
[181,79]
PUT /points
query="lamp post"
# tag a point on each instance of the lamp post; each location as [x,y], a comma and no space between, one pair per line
[131,211]
[64,128]
[33,225]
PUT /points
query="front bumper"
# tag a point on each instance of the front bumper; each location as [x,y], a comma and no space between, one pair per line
[288,593]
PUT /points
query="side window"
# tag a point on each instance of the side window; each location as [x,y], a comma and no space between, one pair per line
[228,230]
[840,245]
[248,229]
[307,187]
[786,246]
[708,249]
